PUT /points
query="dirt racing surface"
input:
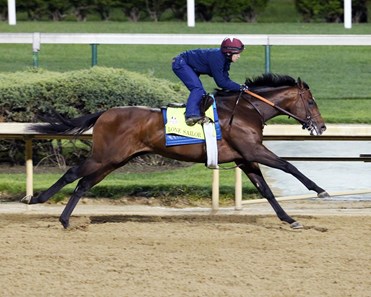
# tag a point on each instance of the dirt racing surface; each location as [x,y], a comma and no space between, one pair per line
[188,255]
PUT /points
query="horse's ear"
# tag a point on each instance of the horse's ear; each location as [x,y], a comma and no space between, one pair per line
[300,83]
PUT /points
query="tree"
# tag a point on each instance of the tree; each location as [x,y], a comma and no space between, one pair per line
[58,9]
[3,10]
[245,10]
[104,7]
[250,9]
[205,9]
[330,10]
[35,9]
[82,8]
[359,11]
[178,8]
[132,9]
[155,8]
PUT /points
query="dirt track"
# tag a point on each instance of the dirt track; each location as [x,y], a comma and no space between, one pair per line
[188,255]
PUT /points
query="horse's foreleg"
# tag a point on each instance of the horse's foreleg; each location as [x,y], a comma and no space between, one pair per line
[255,175]
[266,157]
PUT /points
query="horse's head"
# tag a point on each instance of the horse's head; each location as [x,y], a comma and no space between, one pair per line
[292,98]
[305,108]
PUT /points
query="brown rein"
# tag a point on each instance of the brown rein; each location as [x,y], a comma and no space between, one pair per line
[305,122]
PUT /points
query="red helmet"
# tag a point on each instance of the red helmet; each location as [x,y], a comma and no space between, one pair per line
[232,46]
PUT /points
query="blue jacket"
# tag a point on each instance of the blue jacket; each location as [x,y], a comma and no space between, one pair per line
[212,62]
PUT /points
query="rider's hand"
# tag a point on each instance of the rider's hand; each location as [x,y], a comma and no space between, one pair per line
[244,88]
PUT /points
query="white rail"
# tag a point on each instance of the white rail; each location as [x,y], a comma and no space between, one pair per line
[94,39]
[195,39]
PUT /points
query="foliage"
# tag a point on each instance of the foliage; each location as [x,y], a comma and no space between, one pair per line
[330,10]
[205,10]
[25,95]
[34,8]
[245,10]
[82,8]
[134,10]
[58,9]
[3,10]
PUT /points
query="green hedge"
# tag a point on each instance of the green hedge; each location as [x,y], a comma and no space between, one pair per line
[26,94]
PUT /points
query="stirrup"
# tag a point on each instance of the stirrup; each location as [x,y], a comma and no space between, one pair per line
[191,121]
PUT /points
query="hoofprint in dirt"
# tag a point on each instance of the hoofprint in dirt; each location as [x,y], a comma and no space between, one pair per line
[249,255]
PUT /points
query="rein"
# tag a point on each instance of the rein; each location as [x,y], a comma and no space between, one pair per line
[305,123]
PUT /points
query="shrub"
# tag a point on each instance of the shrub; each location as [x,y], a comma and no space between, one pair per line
[24,95]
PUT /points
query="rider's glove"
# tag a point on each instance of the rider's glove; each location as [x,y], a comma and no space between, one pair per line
[244,88]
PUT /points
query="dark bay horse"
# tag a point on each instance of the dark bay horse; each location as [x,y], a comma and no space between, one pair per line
[123,133]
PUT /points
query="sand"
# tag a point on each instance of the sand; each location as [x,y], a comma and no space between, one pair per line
[186,255]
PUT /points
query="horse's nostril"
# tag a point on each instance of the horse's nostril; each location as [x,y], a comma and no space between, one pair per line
[323,128]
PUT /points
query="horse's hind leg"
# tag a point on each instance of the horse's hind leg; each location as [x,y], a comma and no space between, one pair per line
[255,175]
[82,187]
[70,176]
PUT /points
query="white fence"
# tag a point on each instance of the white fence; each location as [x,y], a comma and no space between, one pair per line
[36,39]
[94,39]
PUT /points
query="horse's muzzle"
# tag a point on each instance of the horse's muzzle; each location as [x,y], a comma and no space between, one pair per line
[316,130]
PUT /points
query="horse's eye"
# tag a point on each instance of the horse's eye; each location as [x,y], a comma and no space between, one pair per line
[311,102]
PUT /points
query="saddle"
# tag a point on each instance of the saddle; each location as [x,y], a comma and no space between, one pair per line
[206,102]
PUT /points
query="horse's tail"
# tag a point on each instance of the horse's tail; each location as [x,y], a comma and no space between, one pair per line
[60,125]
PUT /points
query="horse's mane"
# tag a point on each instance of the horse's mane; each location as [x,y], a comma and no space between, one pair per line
[267,80]
[270,80]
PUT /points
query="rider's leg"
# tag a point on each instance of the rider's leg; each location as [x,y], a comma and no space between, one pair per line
[192,81]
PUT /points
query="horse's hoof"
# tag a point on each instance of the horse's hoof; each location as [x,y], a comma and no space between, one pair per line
[296,225]
[64,223]
[323,194]
[26,199]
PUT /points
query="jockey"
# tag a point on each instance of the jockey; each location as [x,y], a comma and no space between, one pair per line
[215,62]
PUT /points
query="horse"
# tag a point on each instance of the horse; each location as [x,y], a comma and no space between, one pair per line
[122,133]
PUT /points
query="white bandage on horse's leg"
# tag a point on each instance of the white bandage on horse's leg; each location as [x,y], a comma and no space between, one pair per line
[211,145]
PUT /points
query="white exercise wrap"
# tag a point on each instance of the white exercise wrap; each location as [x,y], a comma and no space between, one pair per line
[211,145]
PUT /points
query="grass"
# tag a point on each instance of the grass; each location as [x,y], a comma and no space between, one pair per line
[333,72]
[165,185]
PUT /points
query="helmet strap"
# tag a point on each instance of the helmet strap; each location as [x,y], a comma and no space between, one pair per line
[228,56]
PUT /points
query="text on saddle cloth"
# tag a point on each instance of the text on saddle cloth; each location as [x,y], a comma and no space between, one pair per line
[178,133]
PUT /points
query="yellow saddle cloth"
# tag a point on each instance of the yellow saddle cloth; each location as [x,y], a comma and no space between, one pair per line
[176,123]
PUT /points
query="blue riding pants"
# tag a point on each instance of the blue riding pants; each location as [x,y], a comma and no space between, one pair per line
[192,81]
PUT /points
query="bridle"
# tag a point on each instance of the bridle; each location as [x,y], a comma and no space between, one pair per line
[307,122]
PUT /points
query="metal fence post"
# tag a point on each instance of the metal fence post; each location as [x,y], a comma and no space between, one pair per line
[94,54]
[35,59]
[267,58]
